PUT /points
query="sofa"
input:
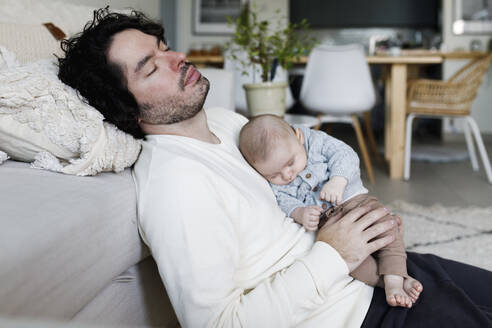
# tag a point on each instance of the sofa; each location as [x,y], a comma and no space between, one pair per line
[70,249]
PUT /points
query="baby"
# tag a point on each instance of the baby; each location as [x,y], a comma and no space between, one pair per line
[313,174]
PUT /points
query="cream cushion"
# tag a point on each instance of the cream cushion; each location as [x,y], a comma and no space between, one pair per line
[46,122]
[70,18]
[22,30]
[29,42]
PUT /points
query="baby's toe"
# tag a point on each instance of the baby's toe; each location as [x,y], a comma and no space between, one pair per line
[405,301]
[391,300]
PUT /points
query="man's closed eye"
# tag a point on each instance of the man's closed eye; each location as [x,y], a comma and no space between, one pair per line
[152,71]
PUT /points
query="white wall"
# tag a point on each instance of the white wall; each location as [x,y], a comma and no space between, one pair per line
[184,31]
[149,7]
[482,106]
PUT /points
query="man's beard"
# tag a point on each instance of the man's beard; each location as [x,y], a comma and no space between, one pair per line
[176,109]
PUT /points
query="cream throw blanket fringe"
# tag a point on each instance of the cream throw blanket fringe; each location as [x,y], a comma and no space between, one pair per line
[3,157]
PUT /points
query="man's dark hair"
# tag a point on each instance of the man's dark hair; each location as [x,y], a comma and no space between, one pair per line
[85,66]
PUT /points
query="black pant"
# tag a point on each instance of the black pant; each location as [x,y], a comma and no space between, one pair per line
[455,295]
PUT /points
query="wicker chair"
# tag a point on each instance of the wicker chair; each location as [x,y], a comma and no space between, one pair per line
[452,98]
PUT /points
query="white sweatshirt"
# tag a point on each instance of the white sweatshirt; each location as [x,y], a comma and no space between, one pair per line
[227,254]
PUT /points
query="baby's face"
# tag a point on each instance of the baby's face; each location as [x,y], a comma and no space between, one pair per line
[284,163]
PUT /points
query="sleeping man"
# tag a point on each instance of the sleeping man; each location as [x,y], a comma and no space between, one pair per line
[228,256]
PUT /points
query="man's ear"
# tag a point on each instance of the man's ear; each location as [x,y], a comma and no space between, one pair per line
[300,136]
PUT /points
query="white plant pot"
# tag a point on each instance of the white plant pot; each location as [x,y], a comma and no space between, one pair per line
[265,98]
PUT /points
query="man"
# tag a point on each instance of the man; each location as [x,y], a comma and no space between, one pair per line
[227,254]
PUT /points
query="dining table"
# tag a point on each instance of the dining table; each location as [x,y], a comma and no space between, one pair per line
[396,73]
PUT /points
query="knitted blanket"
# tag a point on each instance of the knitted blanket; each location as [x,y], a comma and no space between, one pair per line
[46,122]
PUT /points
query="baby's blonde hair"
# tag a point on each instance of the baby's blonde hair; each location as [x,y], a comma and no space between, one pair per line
[260,136]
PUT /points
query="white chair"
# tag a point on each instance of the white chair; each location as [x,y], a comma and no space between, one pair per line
[221,92]
[452,98]
[254,75]
[338,85]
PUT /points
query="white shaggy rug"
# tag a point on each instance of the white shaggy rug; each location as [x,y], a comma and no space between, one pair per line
[461,234]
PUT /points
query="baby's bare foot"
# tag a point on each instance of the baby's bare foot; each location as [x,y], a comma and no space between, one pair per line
[413,288]
[395,294]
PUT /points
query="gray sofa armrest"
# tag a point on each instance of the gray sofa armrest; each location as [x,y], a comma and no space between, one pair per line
[63,238]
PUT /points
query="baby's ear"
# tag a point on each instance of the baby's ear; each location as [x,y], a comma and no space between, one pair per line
[299,135]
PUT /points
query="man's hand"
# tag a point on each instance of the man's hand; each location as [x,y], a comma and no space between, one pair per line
[355,235]
[307,216]
[333,190]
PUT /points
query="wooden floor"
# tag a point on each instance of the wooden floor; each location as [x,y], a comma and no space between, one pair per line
[450,184]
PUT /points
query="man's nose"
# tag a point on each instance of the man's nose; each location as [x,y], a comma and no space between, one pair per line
[174,59]
[179,59]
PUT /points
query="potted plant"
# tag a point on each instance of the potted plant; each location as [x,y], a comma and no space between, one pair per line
[258,43]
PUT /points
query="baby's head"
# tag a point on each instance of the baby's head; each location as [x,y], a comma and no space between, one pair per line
[273,148]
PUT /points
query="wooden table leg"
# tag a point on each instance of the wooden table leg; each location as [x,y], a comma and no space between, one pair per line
[397,119]
[387,113]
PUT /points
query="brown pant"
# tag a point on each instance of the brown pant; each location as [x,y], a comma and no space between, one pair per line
[390,259]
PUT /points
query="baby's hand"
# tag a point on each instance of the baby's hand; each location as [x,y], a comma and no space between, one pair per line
[307,216]
[333,190]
